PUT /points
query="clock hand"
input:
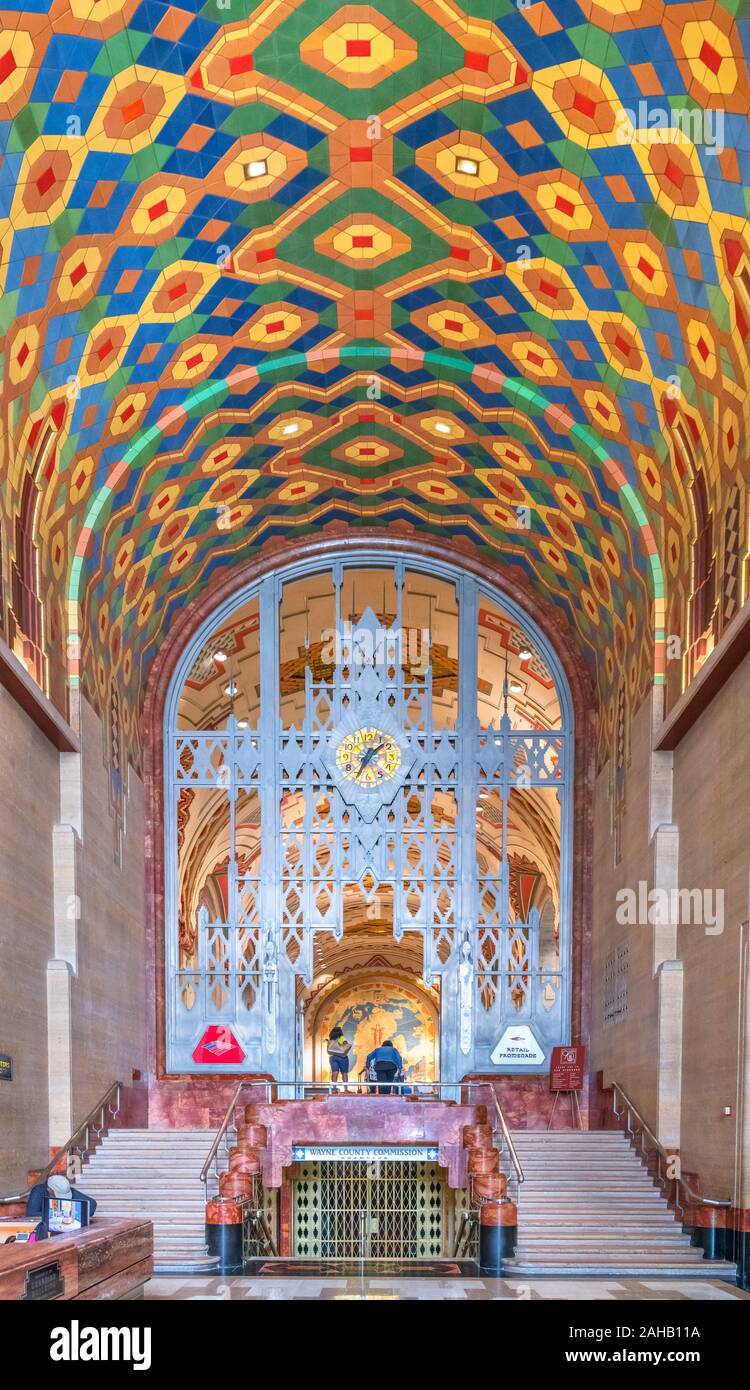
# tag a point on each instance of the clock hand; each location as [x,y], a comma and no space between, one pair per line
[367,758]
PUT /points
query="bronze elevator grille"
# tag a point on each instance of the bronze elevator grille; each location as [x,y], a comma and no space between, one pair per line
[383,1210]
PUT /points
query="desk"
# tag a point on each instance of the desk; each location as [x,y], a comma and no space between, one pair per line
[112,1258]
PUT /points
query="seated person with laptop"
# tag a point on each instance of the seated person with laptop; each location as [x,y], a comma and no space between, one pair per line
[60,1208]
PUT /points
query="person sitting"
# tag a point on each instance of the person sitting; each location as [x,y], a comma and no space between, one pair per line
[338,1049]
[56,1186]
[384,1061]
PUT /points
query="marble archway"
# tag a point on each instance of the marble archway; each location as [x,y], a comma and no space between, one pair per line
[371,1005]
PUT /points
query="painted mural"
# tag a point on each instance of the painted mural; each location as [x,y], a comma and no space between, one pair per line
[369,1013]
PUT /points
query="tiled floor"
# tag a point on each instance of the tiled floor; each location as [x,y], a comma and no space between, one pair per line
[372,1288]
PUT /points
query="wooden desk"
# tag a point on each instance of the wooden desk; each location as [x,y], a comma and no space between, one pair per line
[111,1258]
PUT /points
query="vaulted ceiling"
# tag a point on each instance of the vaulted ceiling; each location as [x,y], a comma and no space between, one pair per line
[274,268]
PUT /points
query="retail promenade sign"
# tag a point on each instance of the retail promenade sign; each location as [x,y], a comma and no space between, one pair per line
[518,1045]
[364,1153]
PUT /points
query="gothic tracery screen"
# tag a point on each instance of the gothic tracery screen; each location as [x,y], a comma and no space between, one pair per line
[367,732]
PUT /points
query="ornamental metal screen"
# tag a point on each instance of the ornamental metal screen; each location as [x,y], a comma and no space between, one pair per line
[366,791]
[386,1210]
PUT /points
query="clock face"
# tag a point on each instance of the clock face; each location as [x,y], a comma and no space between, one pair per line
[368,757]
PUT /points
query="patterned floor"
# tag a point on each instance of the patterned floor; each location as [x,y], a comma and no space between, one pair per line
[285,1290]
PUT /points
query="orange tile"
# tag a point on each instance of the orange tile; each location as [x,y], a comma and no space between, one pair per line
[195,137]
[69,86]
[127,281]
[647,78]
[619,188]
[541,19]
[664,344]
[174,24]
[524,134]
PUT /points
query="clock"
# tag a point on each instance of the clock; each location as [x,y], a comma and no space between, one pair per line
[369,756]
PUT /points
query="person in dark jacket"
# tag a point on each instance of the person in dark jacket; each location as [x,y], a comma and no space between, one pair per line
[385,1061]
[55,1186]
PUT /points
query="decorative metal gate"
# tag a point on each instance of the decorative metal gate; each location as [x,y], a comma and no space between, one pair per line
[384,799]
[383,1210]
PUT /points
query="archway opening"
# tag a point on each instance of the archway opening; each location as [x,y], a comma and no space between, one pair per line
[368,748]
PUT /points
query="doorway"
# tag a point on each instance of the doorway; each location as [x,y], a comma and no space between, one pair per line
[383,1210]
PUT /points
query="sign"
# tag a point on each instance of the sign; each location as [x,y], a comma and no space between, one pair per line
[365,1153]
[566,1068]
[6,1068]
[219,1047]
[44,1282]
[518,1046]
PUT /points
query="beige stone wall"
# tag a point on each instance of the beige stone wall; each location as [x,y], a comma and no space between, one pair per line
[680,1064]
[72,1008]
[625,1051]
[712,774]
[108,993]
[28,809]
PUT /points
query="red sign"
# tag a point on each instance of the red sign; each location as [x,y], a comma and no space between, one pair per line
[566,1068]
[219,1046]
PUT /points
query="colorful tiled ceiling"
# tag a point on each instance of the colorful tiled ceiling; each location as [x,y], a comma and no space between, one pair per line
[206,208]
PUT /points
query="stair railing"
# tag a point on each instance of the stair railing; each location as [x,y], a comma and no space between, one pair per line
[664,1160]
[82,1140]
[221,1133]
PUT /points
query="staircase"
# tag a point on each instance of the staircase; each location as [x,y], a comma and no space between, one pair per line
[588,1207]
[153,1173]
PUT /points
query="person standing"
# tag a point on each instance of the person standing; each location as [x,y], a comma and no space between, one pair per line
[338,1049]
[385,1061]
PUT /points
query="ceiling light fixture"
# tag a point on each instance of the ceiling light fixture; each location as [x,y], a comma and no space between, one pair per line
[467,166]
[291,428]
[516,689]
[220,656]
[525,654]
[231,689]
[442,427]
[256,169]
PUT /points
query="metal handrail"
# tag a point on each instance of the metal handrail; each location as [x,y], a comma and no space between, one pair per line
[681,1182]
[225,1126]
[473,1085]
[97,1110]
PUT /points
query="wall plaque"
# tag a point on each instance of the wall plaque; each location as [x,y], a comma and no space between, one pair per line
[365,1153]
[6,1067]
[46,1281]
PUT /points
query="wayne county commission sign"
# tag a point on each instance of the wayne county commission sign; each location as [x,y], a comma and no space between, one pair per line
[518,1045]
[365,1153]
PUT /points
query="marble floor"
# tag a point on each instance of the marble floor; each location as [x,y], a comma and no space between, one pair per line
[397,1288]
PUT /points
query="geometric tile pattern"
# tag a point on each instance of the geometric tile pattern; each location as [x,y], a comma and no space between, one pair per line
[203,210]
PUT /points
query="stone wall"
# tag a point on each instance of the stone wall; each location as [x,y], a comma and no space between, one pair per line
[72,1011]
[28,810]
[625,1050]
[712,775]
[677,1051]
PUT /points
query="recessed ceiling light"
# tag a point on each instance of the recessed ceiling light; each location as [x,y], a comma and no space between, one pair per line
[516,689]
[467,166]
[256,169]
[291,428]
[241,723]
[220,656]
[231,689]
[442,427]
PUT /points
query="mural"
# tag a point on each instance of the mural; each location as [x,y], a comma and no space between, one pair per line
[371,1012]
